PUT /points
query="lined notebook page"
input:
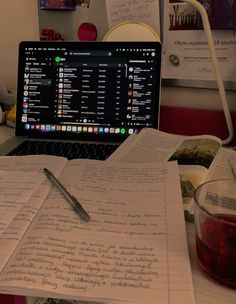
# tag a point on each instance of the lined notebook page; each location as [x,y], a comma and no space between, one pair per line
[133,250]
[16,189]
[179,271]
[21,195]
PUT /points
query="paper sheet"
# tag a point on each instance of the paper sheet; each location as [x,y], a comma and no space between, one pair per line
[133,10]
[22,194]
[133,250]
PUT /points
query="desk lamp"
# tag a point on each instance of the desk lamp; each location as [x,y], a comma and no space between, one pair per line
[205,21]
[130,30]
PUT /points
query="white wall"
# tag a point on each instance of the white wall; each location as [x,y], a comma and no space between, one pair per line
[18,21]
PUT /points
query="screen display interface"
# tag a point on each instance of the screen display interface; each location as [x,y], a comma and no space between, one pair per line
[81,87]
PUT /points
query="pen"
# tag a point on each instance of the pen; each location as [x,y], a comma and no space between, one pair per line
[232,163]
[70,198]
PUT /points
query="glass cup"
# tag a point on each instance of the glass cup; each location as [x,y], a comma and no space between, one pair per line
[215,227]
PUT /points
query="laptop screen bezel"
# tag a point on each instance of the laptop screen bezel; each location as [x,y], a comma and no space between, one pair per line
[19,131]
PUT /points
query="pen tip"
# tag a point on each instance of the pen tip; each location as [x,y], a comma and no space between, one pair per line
[86,217]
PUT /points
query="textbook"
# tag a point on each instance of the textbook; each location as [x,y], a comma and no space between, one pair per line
[200,158]
[133,249]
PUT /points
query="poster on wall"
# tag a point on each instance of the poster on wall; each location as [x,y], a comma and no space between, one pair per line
[185,51]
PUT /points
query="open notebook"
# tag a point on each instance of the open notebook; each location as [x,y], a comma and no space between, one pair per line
[84,94]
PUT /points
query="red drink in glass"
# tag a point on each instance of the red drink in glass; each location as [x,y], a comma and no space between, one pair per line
[216,249]
[215,228]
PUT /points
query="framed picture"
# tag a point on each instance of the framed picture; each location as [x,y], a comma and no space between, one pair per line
[221,14]
[57,5]
[186,59]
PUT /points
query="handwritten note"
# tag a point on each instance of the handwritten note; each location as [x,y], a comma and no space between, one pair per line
[17,186]
[22,192]
[135,239]
[146,11]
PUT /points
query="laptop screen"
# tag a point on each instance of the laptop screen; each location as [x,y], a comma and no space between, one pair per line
[87,90]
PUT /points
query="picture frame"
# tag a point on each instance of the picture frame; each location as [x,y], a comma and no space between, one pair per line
[62,5]
[186,56]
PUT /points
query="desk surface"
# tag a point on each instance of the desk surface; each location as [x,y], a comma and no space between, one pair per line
[5,133]
[206,291]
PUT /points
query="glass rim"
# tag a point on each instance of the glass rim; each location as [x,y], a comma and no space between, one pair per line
[204,209]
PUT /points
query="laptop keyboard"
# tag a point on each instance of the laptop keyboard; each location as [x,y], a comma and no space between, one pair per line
[65,149]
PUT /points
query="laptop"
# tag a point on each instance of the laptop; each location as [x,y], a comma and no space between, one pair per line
[75,95]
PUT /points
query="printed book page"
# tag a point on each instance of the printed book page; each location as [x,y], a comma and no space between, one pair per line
[193,153]
[133,250]
[220,168]
[152,145]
